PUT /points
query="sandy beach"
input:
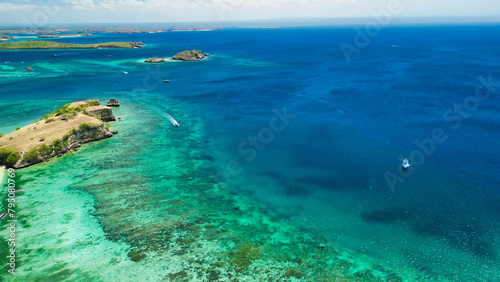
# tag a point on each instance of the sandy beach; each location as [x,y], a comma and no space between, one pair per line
[2,170]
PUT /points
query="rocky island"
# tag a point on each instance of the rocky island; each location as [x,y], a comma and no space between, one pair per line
[155,60]
[62,131]
[193,55]
[39,44]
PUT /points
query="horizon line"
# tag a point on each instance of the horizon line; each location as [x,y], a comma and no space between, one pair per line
[397,20]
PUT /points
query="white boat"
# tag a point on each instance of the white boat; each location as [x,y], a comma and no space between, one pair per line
[172,120]
[125,72]
[406,164]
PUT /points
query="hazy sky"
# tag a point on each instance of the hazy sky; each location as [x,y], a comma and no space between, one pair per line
[40,12]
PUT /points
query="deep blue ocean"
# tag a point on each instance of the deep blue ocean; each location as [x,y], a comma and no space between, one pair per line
[294,126]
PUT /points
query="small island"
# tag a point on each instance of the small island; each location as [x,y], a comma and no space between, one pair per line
[39,44]
[155,60]
[4,37]
[55,134]
[193,55]
[63,35]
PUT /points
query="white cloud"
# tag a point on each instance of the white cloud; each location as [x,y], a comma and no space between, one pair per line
[4,7]
[214,10]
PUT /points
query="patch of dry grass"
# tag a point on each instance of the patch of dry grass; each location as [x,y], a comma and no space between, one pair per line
[43,132]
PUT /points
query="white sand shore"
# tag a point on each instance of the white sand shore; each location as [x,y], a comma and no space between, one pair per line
[2,172]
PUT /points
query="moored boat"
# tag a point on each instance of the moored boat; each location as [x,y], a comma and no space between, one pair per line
[406,164]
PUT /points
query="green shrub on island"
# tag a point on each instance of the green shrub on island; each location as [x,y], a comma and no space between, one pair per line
[67,113]
[8,157]
[45,150]
[59,144]
[1,134]
[86,130]
[12,159]
[32,156]
[193,55]
[85,126]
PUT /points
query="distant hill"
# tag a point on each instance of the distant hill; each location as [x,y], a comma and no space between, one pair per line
[38,44]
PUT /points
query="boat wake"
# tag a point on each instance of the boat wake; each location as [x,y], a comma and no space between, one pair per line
[170,118]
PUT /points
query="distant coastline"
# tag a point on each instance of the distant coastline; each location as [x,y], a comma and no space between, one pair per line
[66,32]
[47,45]
[63,35]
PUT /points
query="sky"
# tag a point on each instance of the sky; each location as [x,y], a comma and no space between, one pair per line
[43,12]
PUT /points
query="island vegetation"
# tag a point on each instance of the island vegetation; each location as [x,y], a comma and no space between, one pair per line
[193,55]
[39,44]
[54,134]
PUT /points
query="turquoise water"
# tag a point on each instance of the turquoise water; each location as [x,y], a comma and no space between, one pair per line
[196,202]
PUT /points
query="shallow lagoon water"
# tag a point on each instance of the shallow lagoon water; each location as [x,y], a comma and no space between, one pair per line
[147,204]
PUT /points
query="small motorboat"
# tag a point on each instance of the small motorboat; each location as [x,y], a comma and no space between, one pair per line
[3,215]
[166,80]
[172,120]
[406,164]
[125,72]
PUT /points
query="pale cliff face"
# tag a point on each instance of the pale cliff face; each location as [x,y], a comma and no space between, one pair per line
[101,112]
